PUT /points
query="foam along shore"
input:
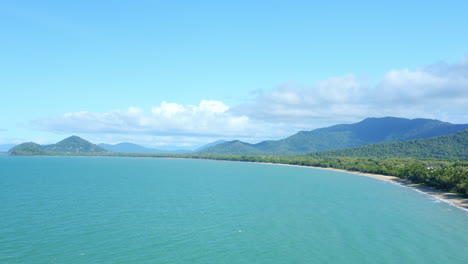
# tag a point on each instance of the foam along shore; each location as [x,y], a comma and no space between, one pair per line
[451,198]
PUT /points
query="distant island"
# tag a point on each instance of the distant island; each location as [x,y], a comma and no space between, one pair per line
[73,145]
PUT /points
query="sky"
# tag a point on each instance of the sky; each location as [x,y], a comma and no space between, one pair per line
[185,73]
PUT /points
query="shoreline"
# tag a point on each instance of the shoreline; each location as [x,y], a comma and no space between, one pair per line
[448,197]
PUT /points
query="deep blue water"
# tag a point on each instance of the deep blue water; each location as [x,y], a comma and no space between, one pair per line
[137,210]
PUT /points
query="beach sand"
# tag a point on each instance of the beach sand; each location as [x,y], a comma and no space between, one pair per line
[451,198]
[448,197]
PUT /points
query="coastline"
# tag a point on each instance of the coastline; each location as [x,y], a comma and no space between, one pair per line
[451,198]
[448,197]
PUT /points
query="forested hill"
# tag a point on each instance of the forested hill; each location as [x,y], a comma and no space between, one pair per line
[443,147]
[70,145]
[368,131]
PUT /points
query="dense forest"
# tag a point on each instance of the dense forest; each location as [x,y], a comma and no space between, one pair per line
[443,147]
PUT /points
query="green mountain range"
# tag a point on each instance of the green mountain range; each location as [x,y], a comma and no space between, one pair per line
[368,131]
[449,146]
[70,145]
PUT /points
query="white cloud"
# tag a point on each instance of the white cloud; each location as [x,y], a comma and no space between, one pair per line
[437,91]
[421,86]
[338,90]
[209,118]
[306,107]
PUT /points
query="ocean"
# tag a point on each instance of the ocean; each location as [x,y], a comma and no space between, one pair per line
[146,210]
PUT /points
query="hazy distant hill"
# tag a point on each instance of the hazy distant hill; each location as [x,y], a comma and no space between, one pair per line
[368,131]
[6,147]
[69,145]
[448,146]
[212,144]
[234,147]
[126,147]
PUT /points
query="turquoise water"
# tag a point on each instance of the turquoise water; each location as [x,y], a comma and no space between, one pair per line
[125,210]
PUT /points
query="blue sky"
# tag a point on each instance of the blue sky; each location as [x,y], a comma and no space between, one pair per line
[185,73]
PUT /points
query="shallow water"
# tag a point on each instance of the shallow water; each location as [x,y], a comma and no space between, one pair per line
[137,210]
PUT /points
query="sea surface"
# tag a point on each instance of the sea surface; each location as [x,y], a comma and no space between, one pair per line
[145,210]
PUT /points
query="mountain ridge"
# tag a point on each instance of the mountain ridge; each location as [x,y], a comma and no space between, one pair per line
[368,131]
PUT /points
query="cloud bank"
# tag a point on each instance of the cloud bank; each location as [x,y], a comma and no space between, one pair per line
[438,91]
[333,99]
[209,118]
[167,118]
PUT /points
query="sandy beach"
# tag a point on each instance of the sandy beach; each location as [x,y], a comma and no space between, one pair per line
[446,196]
[451,198]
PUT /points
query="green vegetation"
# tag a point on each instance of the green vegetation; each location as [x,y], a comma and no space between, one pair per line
[27,149]
[74,144]
[368,131]
[443,147]
[68,146]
